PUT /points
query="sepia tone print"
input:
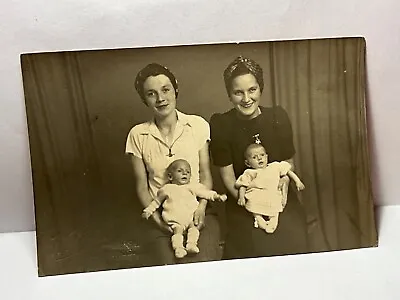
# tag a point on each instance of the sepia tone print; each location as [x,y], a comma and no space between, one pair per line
[181,154]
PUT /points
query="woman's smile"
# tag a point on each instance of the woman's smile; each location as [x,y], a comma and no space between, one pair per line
[247,104]
[162,106]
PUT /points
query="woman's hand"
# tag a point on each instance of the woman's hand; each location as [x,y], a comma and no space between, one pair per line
[283,181]
[199,217]
[161,224]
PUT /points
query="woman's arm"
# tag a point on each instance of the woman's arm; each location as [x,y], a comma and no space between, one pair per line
[206,180]
[228,178]
[142,190]
[291,162]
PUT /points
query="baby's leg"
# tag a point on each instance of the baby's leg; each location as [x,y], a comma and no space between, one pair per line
[272,223]
[177,241]
[260,221]
[192,239]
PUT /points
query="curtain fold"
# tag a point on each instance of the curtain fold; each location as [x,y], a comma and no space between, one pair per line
[321,84]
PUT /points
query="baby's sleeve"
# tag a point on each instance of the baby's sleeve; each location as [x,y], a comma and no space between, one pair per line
[245,179]
[284,168]
[201,191]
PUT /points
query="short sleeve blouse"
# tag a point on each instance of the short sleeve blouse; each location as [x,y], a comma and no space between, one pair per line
[145,142]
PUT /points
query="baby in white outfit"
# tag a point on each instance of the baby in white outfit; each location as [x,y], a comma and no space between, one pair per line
[179,202]
[258,187]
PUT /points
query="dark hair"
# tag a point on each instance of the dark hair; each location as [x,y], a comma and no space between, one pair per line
[153,69]
[241,66]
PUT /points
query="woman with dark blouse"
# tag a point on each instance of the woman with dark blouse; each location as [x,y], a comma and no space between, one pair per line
[231,133]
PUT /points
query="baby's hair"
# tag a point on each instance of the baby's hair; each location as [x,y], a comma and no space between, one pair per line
[252,147]
[172,165]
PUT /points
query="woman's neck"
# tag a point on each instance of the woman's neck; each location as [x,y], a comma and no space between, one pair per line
[254,115]
[167,125]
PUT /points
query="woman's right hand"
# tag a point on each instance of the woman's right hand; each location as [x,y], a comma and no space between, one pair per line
[161,224]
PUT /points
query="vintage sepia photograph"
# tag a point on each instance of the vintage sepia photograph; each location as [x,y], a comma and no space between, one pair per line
[180,154]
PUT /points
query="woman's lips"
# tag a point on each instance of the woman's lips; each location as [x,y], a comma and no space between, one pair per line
[162,106]
[247,105]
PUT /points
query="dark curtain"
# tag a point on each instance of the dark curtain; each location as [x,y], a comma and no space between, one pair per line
[322,87]
[81,106]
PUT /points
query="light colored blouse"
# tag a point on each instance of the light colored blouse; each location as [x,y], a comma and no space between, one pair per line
[145,142]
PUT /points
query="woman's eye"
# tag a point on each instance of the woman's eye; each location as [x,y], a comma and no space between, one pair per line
[166,90]
[237,93]
[150,94]
[252,90]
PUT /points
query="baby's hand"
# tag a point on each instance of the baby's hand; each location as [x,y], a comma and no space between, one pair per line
[221,198]
[241,201]
[146,214]
[300,186]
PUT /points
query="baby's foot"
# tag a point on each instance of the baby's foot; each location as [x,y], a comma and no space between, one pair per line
[180,252]
[192,248]
[271,224]
[261,223]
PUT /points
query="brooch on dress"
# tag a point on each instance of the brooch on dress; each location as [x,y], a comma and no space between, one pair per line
[257,138]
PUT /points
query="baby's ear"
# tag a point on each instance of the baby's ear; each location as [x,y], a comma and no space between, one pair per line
[169,176]
[246,163]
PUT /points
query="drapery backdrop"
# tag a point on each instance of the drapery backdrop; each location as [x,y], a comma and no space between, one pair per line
[81,106]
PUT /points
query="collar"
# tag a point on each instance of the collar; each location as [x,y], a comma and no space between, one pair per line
[151,127]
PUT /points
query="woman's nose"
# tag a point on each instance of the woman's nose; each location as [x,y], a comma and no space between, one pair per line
[246,97]
[160,98]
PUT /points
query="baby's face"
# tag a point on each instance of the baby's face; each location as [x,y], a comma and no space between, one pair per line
[180,173]
[257,158]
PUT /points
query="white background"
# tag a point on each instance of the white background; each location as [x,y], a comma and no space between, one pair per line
[39,25]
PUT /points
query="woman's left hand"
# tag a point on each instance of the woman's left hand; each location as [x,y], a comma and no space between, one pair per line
[283,181]
[199,218]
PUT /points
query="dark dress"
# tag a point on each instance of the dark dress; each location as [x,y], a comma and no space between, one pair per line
[229,138]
